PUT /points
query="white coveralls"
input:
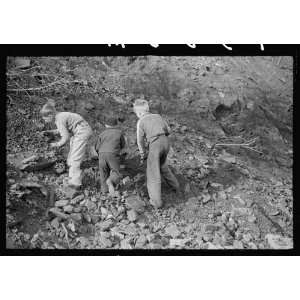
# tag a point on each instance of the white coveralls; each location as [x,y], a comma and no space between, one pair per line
[73,124]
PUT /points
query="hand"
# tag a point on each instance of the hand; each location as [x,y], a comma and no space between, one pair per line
[53,145]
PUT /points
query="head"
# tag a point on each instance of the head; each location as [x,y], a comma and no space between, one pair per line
[140,107]
[48,111]
[111,121]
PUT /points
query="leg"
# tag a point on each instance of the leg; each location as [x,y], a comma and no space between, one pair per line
[166,173]
[114,177]
[103,172]
[169,176]
[153,175]
[75,157]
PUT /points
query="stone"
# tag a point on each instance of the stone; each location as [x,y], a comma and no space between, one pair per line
[251,219]
[125,244]
[206,198]
[178,242]
[135,203]
[247,237]
[70,192]
[90,205]
[104,241]
[222,195]
[252,245]
[61,203]
[55,223]
[132,215]
[187,189]
[105,225]
[104,212]
[126,180]
[141,241]
[95,219]
[279,242]
[76,216]
[211,228]
[238,244]
[238,212]
[87,218]
[77,199]
[211,246]
[77,209]
[89,106]
[68,208]
[172,231]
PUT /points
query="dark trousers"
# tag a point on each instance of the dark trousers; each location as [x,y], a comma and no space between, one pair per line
[109,167]
[156,167]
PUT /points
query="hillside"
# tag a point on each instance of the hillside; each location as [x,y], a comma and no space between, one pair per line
[231,121]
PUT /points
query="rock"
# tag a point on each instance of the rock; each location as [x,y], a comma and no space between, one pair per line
[252,245]
[77,209]
[68,208]
[172,231]
[55,223]
[104,212]
[95,219]
[30,159]
[238,244]
[279,242]
[178,242]
[247,237]
[104,241]
[61,203]
[87,218]
[125,244]
[222,195]
[141,241]
[135,203]
[206,198]
[70,192]
[190,172]
[126,180]
[211,228]
[89,106]
[238,197]
[183,129]
[77,199]
[57,212]
[251,219]
[105,225]
[90,205]
[76,216]
[238,212]
[211,246]
[132,215]
[187,189]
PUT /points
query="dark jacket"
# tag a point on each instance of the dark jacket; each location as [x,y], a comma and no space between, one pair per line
[111,140]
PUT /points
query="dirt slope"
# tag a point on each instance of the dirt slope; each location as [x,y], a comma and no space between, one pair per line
[233,196]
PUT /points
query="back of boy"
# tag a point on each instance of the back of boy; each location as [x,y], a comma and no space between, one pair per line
[109,145]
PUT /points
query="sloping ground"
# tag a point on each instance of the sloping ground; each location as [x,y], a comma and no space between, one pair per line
[234,196]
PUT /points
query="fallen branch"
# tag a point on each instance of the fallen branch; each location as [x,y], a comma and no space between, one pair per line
[66,233]
[43,87]
[244,145]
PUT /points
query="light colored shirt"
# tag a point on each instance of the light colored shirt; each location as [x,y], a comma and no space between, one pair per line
[66,123]
[150,126]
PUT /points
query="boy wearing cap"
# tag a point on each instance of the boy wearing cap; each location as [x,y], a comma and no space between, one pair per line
[156,131]
[70,126]
[109,145]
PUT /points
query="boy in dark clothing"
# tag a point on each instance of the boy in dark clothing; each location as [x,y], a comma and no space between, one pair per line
[109,145]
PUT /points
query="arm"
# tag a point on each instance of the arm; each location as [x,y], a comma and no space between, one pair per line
[140,138]
[122,142]
[167,129]
[64,133]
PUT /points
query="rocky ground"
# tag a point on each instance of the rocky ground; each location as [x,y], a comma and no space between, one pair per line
[235,193]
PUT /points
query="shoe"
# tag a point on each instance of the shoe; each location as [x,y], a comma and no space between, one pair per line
[73,186]
[111,188]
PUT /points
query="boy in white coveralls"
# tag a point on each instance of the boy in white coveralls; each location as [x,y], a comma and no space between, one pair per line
[70,126]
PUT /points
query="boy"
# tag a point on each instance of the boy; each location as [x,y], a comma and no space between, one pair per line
[109,145]
[156,131]
[73,127]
